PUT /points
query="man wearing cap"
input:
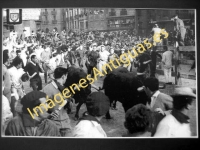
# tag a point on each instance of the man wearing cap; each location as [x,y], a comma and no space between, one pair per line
[26,125]
[89,125]
[176,124]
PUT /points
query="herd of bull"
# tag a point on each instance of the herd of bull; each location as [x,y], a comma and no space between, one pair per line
[119,85]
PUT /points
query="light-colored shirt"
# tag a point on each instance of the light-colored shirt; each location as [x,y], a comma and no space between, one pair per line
[104,55]
[167,59]
[6,111]
[153,98]
[170,127]
[89,129]
[15,76]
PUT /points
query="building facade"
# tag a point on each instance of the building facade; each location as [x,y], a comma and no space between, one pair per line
[148,17]
[76,19]
[53,17]
[121,19]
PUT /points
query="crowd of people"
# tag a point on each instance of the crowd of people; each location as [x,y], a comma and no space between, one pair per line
[26,57]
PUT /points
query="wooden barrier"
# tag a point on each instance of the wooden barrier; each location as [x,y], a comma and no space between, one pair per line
[181,58]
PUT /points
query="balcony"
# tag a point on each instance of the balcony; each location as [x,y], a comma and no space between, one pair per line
[123,13]
[112,13]
[54,21]
[53,12]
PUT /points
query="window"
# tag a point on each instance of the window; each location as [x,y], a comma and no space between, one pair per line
[123,12]
[86,25]
[112,12]
[66,14]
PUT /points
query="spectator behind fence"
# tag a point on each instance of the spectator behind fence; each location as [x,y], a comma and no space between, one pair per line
[177,123]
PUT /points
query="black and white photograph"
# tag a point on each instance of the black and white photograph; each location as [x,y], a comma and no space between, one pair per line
[99,72]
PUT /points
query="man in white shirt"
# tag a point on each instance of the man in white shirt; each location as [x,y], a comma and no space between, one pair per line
[16,73]
[161,104]
[176,124]
[167,65]
[156,31]
[159,101]
[103,57]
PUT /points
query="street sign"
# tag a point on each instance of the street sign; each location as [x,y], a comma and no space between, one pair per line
[14,16]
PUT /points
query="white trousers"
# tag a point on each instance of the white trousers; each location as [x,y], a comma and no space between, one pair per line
[167,73]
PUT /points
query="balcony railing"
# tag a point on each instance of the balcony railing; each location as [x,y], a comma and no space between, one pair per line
[112,13]
[123,13]
[54,21]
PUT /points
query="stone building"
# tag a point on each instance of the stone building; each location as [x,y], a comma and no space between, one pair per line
[53,17]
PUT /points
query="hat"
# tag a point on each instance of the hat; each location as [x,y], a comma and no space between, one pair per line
[184,91]
[28,100]
[97,104]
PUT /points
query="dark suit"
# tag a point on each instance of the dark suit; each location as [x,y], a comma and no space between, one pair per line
[154,55]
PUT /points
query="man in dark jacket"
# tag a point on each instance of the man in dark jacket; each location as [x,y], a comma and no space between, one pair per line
[33,70]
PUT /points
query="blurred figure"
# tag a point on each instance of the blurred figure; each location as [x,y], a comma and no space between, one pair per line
[167,59]
[156,35]
[180,30]
[6,111]
[6,75]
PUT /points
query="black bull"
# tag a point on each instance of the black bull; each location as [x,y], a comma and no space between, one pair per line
[74,75]
[123,86]
[119,85]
